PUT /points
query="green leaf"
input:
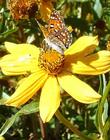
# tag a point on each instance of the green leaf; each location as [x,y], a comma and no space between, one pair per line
[9,32]
[59,4]
[7,125]
[25,110]
[5,34]
[29,108]
[98,8]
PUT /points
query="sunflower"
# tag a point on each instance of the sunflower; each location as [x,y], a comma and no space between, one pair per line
[50,71]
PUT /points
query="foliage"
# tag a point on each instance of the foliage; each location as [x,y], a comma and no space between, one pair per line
[86,17]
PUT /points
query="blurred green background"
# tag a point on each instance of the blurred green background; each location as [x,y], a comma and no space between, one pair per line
[86,17]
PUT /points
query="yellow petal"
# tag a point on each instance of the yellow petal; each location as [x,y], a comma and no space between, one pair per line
[11,47]
[16,65]
[94,64]
[50,99]
[84,45]
[77,88]
[27,89]
[20,49]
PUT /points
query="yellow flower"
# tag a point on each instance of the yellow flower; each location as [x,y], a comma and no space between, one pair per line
[2,138]
[51,71]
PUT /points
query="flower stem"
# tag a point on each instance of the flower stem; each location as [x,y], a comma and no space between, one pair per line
[42,126]
[61,118]
[101,124]
[106,129]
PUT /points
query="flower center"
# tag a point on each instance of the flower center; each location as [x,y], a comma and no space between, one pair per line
[51,61]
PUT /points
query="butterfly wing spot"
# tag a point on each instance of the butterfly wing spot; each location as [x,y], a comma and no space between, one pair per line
[52,26]
[63,34]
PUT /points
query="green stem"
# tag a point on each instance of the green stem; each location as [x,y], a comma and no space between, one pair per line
[106,129]
[61,118]
[101,107]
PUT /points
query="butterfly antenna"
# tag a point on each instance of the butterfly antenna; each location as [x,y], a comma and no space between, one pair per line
[43,29]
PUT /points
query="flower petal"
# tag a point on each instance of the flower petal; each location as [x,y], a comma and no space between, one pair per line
[12,64]
[50,99]
[24,58]
[93,64]
[77,88]
[27,89]
[84,45]
[20,49]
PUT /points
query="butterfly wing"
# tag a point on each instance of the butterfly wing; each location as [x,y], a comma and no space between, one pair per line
[57,28]
[56,34]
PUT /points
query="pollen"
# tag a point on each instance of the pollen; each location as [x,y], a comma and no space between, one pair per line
[51,61]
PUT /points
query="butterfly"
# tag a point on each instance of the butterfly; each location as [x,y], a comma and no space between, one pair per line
[56,34]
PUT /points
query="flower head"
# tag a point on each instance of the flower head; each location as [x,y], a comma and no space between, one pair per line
[25,9]
[22,9]
[49,70]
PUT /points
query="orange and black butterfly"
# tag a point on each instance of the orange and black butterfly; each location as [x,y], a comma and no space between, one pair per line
[56,34]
